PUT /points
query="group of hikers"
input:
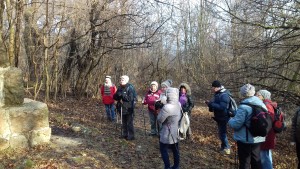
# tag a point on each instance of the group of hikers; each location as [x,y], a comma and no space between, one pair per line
[166,105]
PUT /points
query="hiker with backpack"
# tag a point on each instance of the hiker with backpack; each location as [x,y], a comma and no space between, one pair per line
[150,98]
[108,89]
[267,146]
[248,145]
[219,106]
[125,106]
[186,102]
[168,118]
[295,134]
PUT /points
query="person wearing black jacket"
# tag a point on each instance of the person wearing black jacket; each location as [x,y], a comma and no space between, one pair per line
[218,105]
[125,105]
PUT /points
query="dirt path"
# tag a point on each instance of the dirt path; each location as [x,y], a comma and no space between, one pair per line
[97,143]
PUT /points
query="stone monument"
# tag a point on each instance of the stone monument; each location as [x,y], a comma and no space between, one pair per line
[23,122]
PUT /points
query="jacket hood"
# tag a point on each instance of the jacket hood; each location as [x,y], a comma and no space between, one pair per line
[172,95]
[187,87]
[267,101]
[253,100]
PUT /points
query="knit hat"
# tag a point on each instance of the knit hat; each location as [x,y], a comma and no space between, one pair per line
[265,94]
[124,80]
[108,81]
[154,83]
[247,90]
[216,83]
[167,83]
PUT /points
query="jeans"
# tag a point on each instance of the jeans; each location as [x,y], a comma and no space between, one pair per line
[153,123]
[165,155]
[266,159]
[110,111]
[249,155]
[222,130]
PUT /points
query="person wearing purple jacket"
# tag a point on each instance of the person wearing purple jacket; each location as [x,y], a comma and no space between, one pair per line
[186,102]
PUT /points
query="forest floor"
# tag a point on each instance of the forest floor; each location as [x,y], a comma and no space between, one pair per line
[97,143]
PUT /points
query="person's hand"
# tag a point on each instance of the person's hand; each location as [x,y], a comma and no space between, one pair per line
[143,100]
[206,102]
[292,143]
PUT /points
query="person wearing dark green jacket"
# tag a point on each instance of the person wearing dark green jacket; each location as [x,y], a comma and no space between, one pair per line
[296,134]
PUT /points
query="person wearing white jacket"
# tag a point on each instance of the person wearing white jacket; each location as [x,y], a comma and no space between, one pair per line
[168,118]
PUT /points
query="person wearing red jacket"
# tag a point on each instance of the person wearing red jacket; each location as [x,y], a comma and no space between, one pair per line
[150,98]
[267,146]
[108,89]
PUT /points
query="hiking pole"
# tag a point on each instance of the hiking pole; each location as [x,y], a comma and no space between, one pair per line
[117,116]
[121,123]
[236,161]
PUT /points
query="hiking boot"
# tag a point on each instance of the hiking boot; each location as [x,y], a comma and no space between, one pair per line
[130,138]
[152,134]
[123,137]
[225,151]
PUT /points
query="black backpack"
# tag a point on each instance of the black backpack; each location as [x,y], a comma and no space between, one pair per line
[261,121]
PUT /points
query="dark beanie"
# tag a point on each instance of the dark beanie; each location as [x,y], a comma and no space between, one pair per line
[216,83]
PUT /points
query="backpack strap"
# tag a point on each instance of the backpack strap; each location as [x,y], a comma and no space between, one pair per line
[221,94]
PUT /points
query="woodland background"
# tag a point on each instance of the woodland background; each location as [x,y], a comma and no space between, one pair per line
[66,48]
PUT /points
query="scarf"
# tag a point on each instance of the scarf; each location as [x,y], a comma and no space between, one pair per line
[183,99]
[107,89]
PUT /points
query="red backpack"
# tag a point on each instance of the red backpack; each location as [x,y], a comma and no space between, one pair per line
[278,123]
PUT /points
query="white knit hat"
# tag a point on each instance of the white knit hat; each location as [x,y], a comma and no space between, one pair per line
[265,94]
[154,83]
[247,90]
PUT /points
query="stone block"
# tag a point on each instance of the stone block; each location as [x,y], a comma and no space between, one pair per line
[40,136]
[18,141]
[33,115]
[4,143]
[11,86]
[4,124]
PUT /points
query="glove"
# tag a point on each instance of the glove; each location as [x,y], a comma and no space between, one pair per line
[119,94]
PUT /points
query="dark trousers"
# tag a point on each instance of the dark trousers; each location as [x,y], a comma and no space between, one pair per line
[249,155]
[298,153]
[127,125]
[222,131]
[165,155]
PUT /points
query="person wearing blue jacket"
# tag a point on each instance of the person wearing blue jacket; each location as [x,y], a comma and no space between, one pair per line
[219,105]
[248,146]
